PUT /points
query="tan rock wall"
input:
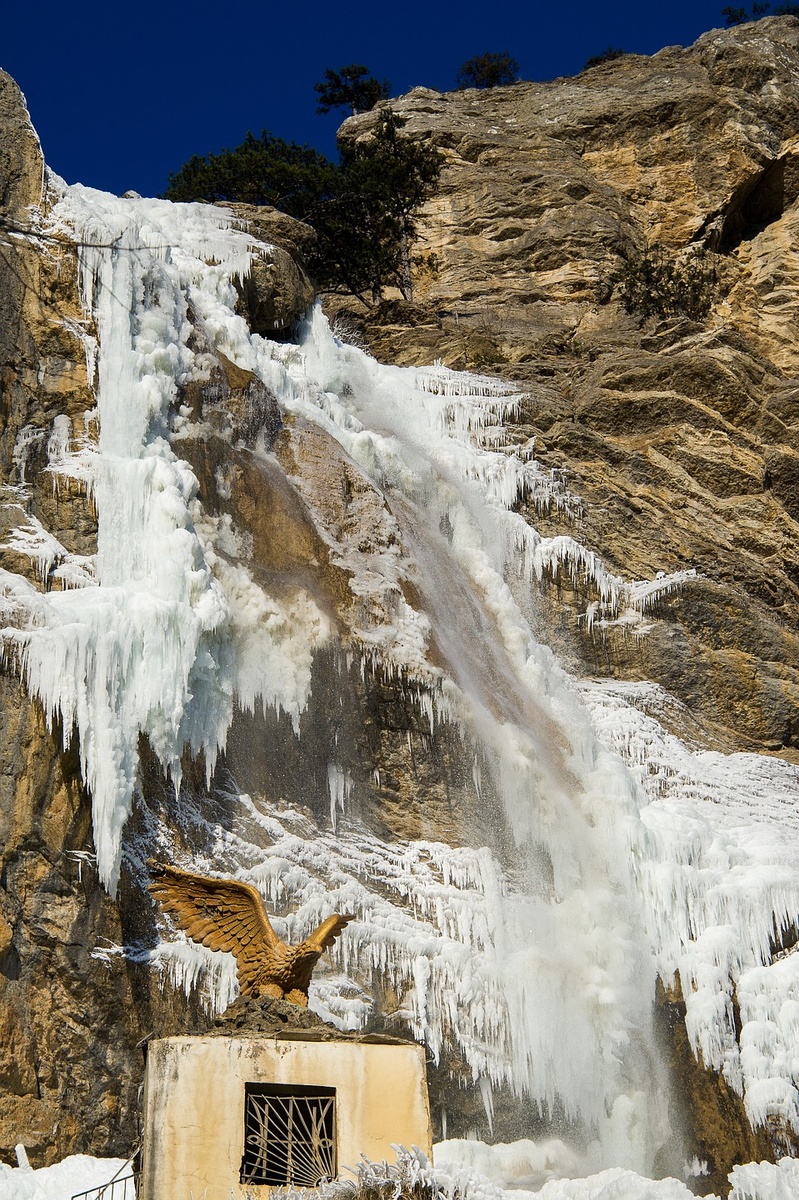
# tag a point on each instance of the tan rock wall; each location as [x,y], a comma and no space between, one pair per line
[681,438]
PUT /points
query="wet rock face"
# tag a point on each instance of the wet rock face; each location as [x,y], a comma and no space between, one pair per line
[277,291]
[709,1114]
[681,437]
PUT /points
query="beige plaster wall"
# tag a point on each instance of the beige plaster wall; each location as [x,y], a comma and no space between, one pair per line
[194,1106]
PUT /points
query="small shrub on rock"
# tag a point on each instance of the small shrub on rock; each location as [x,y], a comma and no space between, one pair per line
[655,284]
[739,16]
[608,55]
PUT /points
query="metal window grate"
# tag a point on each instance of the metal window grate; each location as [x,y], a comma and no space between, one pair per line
[289,1135]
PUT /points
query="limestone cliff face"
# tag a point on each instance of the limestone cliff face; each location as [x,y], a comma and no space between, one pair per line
[681,439]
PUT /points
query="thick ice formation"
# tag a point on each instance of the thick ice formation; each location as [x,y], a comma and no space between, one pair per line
[158,646]
[540,974]
[472,962]
[548,1170]
[765,1181]
[719,869]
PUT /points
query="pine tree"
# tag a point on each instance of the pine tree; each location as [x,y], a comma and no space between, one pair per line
[363,211]
[488,70]
[365,234]
[262,170]
[352,87]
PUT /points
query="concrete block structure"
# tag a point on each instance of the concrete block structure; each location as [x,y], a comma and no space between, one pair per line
[230,1117]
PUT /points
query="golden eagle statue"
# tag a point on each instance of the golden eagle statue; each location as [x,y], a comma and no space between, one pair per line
[224,914]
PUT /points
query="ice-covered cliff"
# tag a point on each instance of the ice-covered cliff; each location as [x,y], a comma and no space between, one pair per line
[272,609]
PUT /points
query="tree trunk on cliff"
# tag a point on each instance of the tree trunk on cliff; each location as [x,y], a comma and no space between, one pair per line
[406,284]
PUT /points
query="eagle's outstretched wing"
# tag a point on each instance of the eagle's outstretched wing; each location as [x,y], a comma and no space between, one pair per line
[325,934]
[222,914]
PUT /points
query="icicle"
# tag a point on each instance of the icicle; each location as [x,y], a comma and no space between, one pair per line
[339,786]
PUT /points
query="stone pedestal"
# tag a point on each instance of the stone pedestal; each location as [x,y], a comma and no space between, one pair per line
[350,1098]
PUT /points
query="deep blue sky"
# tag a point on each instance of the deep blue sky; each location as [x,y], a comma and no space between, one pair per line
[122,93]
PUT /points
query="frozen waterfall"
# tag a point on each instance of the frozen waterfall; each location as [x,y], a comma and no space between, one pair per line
[536,964]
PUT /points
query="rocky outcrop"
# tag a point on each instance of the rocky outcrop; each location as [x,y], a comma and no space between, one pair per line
[21,162]
[277,290]
[679,437]
[281,1019]
[546,184]
[43,344]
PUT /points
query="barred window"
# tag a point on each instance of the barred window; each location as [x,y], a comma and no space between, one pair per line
[289,1134]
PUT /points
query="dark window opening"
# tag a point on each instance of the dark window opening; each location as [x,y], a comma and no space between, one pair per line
[289,1135]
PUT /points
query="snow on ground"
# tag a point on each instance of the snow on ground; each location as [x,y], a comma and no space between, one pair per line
[70,1177]
[474,1170]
